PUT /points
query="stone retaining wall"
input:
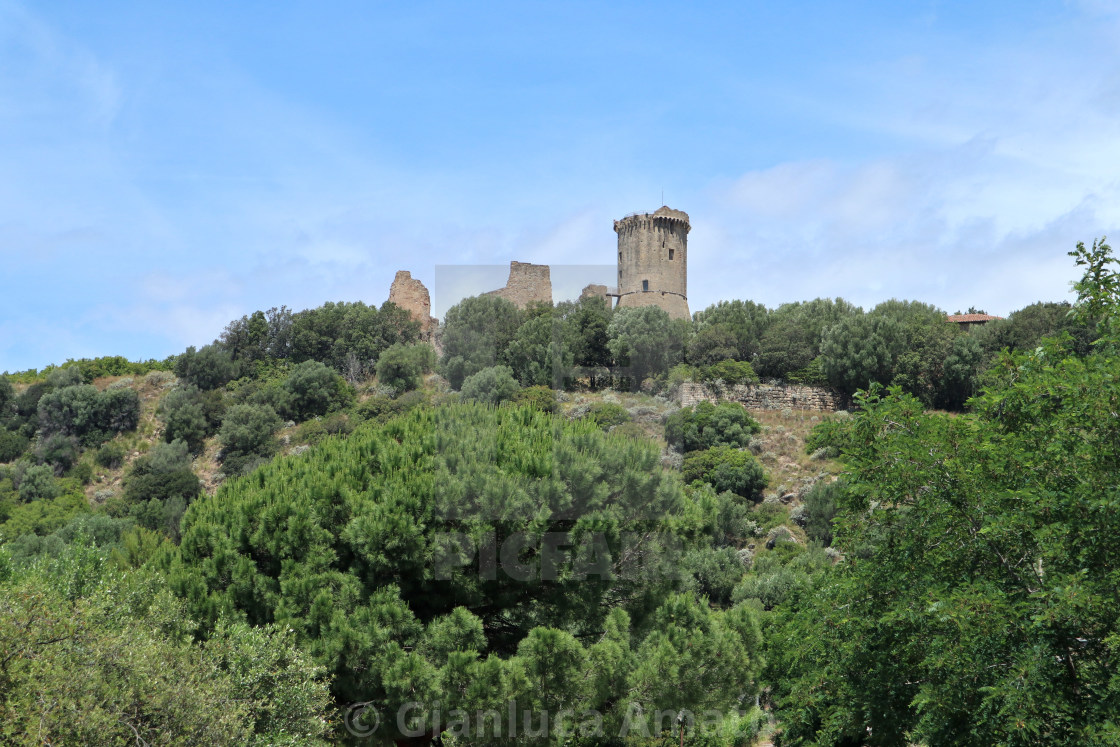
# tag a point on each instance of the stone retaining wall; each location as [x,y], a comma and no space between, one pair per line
[766,396]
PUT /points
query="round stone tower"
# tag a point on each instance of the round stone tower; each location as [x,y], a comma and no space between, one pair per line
[653,260]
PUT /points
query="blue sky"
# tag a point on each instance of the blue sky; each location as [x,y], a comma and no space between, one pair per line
[166,167]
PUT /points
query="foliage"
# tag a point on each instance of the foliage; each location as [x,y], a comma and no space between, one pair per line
[537,354]
[490,385]
[400,366]
[793,334]
[726,468]
[368,549]
[747,320]
[713,343]
[110,455]
[729,372]
[207,368]
[100,656]
[607,414]
[189,415]
[12,446]
[979,602]
[247,436]
[644,341]
[820,509]
[540,398]
[707,425]
[313,389]
[87,414]
[897,342]
[585,336]
[476,333]
[37,483]
[59,451]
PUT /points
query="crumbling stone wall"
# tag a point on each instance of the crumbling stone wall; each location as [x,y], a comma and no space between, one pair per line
[411,295]
[597,291]
[653,260]
[528,283]
[766,396]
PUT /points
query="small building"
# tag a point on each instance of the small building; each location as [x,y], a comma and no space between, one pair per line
[968,321]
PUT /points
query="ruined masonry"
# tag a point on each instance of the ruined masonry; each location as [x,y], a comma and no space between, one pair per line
[652,271]
[411,295]
[528,283]
[766,396]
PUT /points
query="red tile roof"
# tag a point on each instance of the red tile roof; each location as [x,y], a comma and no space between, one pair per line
[959,318]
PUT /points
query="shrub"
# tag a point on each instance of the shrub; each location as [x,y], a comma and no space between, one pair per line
[87,414]
[59,451]
[725,468]
[184,416]
[110,455]
[382,408]
[208,368]
[820,509]
[400,366]
[708,425]
[82,472]
[490,385]
[159,487]
[37,483]
[314,389]
[12,446]
[714,571]
[246,436]
[730,372]
[608,414]
[538,397]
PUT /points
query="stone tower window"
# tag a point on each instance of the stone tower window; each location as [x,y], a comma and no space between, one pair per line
[645,285]
[670,254]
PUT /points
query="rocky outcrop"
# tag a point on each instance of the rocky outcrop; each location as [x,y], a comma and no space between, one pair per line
[766,396]
[411,295]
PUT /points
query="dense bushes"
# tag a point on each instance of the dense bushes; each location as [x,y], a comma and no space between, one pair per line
[87,414]
[490,385]
[400,366]
[313,389]
[367,549]
[707,425]
[726,468]
[247,437]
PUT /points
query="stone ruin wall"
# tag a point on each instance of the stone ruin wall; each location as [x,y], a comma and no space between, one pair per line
[766,396]
[411,295]
[528,283]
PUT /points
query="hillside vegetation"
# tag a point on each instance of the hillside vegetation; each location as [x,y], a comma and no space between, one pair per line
[319,521]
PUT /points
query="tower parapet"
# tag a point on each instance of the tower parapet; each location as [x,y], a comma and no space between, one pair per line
[653,260]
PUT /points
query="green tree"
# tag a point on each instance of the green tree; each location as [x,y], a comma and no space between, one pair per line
[94,655]
[207,368]
[747,320]
[184,415]
[707,425]
[400,366]
[490,386]
[476,333]
[538,354]
[644,342]
[247,436]
[313,389]
[726,468]
[978,602]
[369,549]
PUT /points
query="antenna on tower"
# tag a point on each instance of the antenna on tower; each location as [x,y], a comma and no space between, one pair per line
[662,195]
